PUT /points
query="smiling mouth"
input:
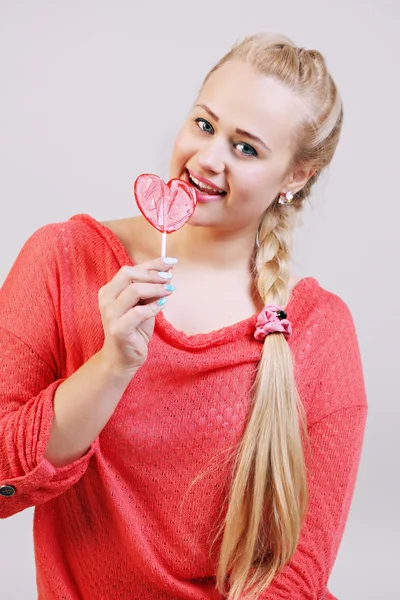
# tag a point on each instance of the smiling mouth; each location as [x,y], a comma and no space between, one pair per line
[203,188]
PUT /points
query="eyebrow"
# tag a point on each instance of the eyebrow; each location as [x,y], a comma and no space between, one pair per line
[240,131]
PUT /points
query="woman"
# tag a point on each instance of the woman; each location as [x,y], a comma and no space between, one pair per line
[205,447]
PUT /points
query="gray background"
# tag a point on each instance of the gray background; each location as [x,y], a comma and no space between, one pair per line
[92,94]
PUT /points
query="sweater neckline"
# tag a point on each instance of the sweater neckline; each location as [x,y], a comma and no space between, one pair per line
[305,288]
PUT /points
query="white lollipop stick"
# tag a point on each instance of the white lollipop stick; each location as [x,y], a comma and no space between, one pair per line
[164,245]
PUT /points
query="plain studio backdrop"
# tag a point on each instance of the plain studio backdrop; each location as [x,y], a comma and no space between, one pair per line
[92,94]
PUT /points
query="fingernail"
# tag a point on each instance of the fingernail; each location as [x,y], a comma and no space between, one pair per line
[162,301]
[165,275]
[170,261]
[169,287]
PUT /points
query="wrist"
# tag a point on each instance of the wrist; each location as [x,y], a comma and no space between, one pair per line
[114,370]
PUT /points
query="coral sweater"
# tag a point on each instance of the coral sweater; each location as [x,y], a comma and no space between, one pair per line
[121,522]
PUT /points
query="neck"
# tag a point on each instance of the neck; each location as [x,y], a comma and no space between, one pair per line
[209,248]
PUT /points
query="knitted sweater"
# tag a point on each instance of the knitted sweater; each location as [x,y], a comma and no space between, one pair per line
[123,521]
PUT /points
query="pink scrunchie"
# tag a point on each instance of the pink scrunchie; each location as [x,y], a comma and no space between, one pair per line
[269,322]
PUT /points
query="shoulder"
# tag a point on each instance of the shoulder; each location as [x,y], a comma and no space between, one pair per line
[335,322]
[333,328]
[333,307]
[41,246]
[318,312]
[84,238]
[80,243]
[81,231]
[339,379]
[51,235]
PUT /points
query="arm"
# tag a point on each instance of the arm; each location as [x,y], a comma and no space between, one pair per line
[83,405]
[29,381]
[27,388]
[32,439]
[49,426]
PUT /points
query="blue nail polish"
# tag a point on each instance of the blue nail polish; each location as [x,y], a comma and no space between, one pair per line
[165,275]
[169,287]
[170,261]
[162,301]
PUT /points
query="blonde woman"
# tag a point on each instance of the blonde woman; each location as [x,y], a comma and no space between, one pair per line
[190,429]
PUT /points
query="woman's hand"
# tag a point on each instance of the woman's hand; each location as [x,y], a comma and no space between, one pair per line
[128,305]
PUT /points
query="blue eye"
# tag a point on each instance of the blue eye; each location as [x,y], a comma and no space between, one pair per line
[247,150]
[206,124]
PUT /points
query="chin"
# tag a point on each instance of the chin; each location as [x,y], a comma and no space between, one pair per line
[205,216]
[199,220]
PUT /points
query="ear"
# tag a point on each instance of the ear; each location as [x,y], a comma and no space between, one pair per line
[298,178]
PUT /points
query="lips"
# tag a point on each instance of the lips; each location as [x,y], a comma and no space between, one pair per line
[195,179]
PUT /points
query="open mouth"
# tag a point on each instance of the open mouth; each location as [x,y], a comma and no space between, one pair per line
[203,188]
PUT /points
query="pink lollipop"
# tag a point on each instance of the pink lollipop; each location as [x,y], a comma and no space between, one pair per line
[166,206]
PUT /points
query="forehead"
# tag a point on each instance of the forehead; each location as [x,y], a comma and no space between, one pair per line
[246,99]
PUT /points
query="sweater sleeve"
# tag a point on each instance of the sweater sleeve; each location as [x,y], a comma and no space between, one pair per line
[29,367]
[332,459]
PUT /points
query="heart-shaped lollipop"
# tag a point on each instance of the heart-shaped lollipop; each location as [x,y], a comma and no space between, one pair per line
[166,206]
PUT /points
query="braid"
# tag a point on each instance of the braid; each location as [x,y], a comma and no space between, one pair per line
[271,449]
[272,260]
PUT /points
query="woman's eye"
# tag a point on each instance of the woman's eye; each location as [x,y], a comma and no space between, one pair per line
[244,148]
[204,125]
[247,150]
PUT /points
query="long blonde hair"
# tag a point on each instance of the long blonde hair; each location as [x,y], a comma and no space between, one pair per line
[268,496]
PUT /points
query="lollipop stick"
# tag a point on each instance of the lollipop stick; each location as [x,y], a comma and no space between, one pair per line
[164,245]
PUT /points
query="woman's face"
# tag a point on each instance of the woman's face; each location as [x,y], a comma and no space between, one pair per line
[239,137]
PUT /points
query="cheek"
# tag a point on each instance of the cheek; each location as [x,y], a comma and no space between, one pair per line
[251,179]
[182,150]
[255,186]
[267,176]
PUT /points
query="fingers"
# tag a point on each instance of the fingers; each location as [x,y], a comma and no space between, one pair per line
[155,271]
[159,264]
[137,293]
[128,304]
[138,314]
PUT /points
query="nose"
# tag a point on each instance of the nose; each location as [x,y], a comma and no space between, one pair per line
[212,157]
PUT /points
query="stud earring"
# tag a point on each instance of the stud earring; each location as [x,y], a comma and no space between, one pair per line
[285,198]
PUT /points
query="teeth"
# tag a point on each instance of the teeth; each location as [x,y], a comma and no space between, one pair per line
[203,186]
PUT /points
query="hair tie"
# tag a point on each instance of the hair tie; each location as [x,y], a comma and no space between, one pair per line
[272,319]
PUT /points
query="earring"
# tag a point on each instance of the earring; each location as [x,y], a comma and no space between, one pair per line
[285,198]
